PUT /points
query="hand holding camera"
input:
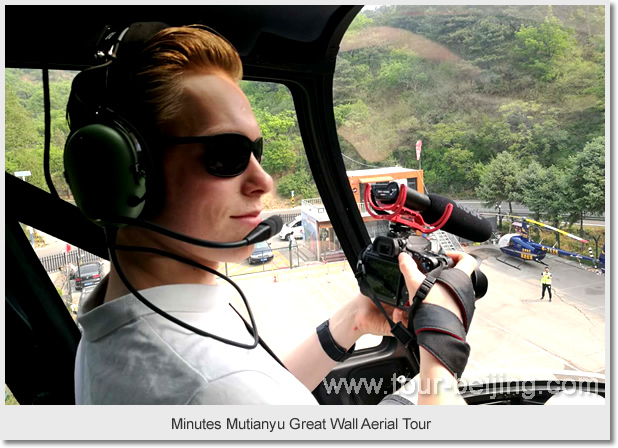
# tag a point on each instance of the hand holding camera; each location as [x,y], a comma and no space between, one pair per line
[406,271]
[439,294]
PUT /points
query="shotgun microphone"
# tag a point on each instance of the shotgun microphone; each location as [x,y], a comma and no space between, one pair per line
[462,222]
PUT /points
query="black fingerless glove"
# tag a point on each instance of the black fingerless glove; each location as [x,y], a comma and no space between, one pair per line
[439,331]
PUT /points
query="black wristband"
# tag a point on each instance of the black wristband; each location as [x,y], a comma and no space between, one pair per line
[330,347]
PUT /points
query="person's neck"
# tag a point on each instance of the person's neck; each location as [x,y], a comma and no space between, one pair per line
[145,270]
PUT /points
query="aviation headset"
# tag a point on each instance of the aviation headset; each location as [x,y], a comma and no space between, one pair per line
[107,161]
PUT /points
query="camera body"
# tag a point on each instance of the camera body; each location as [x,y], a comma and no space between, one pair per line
[378,266]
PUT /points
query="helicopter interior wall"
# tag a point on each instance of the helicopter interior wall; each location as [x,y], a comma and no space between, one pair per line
[288,33]
[310,85]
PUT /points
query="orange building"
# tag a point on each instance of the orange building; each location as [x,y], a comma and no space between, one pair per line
[358,179]
[320,239]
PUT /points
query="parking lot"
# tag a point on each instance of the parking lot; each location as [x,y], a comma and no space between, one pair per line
[512,331]
[283,258]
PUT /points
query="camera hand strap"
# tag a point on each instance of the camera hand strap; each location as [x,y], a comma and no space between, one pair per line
[442,334]
[460,283]
[398,330]
[438,330]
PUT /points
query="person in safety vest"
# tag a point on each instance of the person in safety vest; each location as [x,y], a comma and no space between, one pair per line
[546,282]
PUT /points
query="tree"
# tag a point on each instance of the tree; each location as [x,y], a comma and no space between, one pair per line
[268,96]
[351,114]
[301,182]
[403,70]
[542,191]
[507,79]
[543,48]
[536,132]
[585,181]
[498,181]
[485,43]
[455,174]
[360,22]
[491,136]
[20,129]
[281,140]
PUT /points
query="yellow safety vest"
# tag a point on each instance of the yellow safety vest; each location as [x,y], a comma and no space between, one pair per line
[546,279]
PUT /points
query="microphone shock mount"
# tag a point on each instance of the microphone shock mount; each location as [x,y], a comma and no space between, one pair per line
[378,271]
[399,213]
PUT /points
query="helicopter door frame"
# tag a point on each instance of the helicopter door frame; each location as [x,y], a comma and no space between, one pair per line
[311,87]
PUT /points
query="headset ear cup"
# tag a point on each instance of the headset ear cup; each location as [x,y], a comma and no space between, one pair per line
[102,170]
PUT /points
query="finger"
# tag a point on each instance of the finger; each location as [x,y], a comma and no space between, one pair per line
[410,272]
[463,261]
[399,315]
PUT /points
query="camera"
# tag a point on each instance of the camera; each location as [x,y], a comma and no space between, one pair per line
[378,265]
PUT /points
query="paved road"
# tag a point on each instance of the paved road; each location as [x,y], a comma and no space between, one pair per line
[570,330]
[513,330]
[518,210]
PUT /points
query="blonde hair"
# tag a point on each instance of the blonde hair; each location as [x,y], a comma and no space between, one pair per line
[169,56]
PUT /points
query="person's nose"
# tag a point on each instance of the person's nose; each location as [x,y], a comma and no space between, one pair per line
[257,181]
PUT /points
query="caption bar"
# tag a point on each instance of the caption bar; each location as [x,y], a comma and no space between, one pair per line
[250,424]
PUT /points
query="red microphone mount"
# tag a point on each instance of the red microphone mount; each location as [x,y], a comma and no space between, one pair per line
[399,213]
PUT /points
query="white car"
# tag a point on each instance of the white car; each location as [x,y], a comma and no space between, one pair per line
[294,228]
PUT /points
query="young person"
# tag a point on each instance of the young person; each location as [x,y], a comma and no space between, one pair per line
[185,84]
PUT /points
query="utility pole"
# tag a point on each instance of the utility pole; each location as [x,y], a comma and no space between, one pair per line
[419,146]
[79,263]
[67,276]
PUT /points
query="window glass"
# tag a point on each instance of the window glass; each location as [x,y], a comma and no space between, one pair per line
[9,398]
[306,252]
[307,275]
[89,268]
[25,126]
[501,108]
[73,271]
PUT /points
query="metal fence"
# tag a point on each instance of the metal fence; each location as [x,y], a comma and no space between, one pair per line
[55,262]
[288,217]
[283,258]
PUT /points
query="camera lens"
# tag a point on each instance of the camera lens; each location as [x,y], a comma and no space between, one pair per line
[479,282]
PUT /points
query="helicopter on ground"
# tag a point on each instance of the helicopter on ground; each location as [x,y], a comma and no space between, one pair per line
[519,245]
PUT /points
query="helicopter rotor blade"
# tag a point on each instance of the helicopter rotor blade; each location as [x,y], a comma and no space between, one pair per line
[532,221]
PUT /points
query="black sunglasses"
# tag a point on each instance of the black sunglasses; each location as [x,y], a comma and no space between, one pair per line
[225,155]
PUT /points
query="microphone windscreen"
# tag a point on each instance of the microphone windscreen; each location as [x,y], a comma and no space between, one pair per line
[275,223]
[463,222]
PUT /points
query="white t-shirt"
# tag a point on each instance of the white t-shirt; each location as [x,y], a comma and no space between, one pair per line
[128,354]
